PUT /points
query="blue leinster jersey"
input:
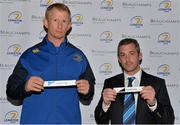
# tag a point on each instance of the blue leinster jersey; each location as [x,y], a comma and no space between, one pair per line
[55,105]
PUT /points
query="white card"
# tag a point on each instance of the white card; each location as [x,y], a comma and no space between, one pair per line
[60,83]
[128,89]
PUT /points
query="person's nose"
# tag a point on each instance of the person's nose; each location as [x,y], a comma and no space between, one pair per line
[60,24]
[127,57]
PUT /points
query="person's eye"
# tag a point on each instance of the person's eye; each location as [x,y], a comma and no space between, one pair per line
[55,20]
[121,54]
[132,53]
[65,21]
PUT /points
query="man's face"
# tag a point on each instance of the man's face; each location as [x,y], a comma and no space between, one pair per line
[57,23]
[129,58]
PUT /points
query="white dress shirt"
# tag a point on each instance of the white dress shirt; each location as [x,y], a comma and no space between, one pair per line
[135,83]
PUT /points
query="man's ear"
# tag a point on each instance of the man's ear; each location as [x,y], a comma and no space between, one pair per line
[140,57]
[119,60]
[69,26]
[69,29]
[45,23]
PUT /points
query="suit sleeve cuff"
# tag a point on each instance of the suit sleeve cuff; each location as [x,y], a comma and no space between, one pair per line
[105,107]
[153,107]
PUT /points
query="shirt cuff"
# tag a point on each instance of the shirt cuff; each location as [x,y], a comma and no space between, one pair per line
[105,107]
[153,108]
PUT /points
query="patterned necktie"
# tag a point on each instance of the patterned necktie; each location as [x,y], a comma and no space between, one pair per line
[129,106]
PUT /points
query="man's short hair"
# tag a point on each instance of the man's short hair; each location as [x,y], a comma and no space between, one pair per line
[60,7]
[128,41]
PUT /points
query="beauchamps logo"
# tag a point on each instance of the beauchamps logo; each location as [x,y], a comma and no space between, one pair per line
[11,117]
[5,66]
[136,21]
[15,17]
[164,21]
[3,100]
[13,1]
[159,54]
[105,69]
[8,33]
[165,6]
[79,35]
[45,3]
[77,19]
[164,38]
[76,2]
[107,5]
[163,70]
[106,36]
[37,18]
[139,36]
[91,116]
[174,85]
[96,52]
[104,20]
[134,4]
[14,50]
[146,68]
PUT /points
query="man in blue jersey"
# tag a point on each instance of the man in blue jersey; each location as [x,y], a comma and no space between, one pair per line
[53,59]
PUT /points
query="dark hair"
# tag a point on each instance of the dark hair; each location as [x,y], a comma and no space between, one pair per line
[60,7]
[128,41]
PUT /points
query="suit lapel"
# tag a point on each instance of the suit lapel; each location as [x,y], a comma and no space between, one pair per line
[119,82]
[116,111]
[144,79]
[121,98]
[140,102]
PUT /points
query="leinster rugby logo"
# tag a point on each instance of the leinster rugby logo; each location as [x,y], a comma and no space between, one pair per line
[77,57]
[14,50]
[11,117]
[136,21]
[15,17]
[165,6]
[107,5]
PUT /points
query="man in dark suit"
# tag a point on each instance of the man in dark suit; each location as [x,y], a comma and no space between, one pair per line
[152,104]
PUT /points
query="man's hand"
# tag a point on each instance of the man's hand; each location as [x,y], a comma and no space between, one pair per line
[35,84]
[109,95]
[83,86]
[148,94]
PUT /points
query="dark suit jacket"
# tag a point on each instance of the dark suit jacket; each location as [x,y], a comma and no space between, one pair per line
[163,114]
